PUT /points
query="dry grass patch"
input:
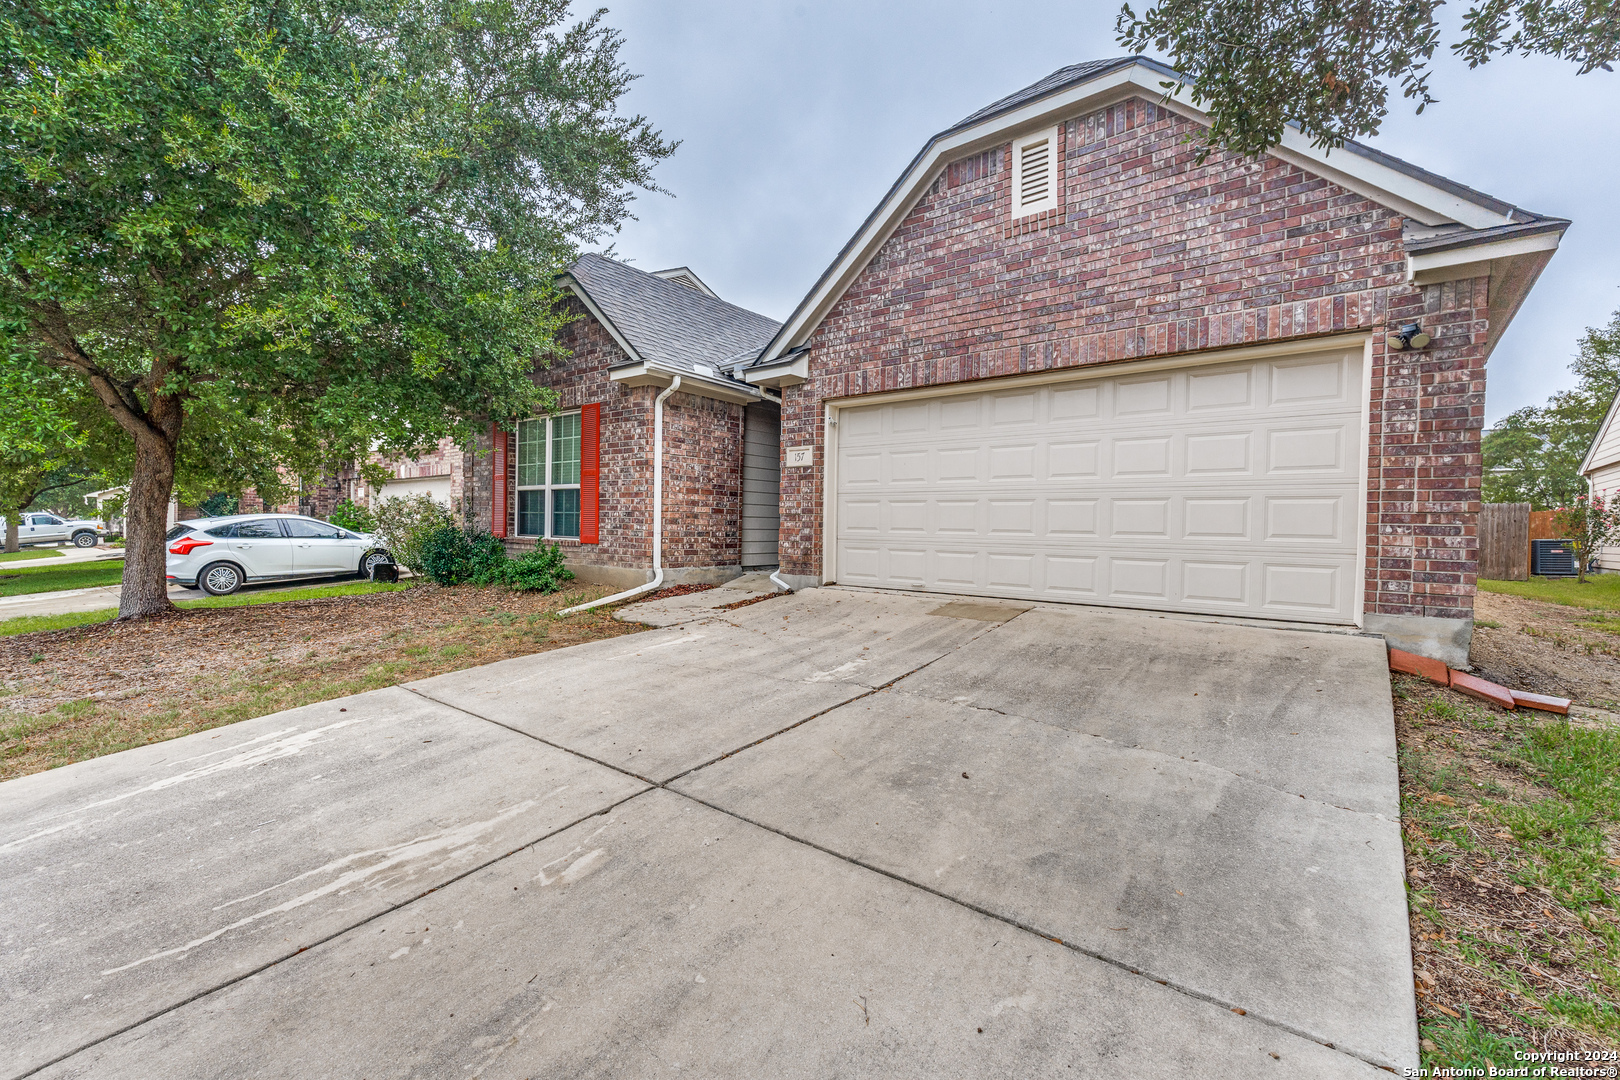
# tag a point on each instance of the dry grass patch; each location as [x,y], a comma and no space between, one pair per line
[78,693]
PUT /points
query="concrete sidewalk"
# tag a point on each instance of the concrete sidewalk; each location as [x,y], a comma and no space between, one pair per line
[836,833]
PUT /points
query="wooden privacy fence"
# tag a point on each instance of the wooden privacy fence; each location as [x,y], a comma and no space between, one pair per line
[1505,531]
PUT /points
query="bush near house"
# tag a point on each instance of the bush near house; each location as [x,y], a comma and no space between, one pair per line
[350,515]
[405,522]
[452,556]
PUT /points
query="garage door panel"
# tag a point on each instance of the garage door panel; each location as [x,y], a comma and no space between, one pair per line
[1309,517]
[1302,588]
[1223,454]
[1313,380]
[1075,403]
[1314,449]
[1136,458]
[1141,397]
[1233,388]
[1227,488]
[1073,460]
[1224,583]
[1222,519]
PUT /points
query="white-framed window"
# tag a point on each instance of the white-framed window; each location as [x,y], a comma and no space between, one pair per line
[548,476]
[1035,173]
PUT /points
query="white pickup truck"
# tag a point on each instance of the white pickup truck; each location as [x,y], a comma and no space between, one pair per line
[50,529]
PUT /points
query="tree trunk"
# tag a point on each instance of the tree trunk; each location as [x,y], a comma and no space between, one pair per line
[146,520]
[12,520]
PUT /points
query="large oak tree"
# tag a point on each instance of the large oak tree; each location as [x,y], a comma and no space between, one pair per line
[262,233]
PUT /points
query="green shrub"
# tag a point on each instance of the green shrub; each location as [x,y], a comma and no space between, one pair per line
[452,556]
[219,504]
[350,515]
[405,521]
[539,570]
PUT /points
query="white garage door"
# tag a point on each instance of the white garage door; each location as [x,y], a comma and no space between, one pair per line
[1228,489]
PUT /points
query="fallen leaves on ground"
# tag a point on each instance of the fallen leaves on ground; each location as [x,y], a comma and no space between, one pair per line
[1512,918]
[68,695]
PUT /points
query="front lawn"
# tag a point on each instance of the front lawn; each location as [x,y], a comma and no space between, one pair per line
[1601,591]
[30,553]
[33,624]
[85,691]
[79,575]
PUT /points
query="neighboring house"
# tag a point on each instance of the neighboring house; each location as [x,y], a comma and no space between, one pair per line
[438,473]
[1602,471]
[583,478]
[1066,360]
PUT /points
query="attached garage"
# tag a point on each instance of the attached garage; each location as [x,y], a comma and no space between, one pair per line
[1229,488]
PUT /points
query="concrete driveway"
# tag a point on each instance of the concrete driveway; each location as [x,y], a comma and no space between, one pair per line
[833,834]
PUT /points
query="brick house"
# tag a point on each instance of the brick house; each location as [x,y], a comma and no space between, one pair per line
[1066,360]
[645,351]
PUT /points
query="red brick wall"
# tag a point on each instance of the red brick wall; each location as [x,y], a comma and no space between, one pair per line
[702,461]
[702,482]
[580,378]
[1154,253]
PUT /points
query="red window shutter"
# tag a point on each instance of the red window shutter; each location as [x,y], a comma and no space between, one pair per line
[497,514]
[590,473]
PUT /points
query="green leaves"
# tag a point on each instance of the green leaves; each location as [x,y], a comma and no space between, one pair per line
[1534,454]
[1258,66]
[267,237]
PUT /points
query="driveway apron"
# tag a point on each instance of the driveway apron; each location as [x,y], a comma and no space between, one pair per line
[835,833]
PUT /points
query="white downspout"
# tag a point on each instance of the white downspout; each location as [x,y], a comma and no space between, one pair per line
[657,512]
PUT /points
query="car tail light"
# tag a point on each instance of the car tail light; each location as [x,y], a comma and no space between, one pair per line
[188,545]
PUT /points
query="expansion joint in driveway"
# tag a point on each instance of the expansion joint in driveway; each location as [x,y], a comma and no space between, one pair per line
[267,965]
[1006,920]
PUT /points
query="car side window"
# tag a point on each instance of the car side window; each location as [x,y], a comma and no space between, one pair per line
[223,531]
[258,530]
[46,519]
[305,529]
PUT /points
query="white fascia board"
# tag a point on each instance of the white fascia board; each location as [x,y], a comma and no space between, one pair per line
[700,386]
[1587,464]
[1407,195]
[778,376]
[1473,260]
[570,283]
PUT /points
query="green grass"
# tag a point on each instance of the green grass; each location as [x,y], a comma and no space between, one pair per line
[1464,1044]
[1551,841]
[84,575]
[29,624]
[1601,592]
[30,553]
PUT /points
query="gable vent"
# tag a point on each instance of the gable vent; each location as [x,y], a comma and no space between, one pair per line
[1034,186]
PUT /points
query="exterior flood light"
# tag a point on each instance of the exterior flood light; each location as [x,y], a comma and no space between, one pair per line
[1410,336]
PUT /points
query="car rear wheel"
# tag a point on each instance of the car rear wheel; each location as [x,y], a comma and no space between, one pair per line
[220,579]
[84,539]
[371,560]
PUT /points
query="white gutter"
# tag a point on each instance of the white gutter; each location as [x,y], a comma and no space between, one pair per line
[657,512]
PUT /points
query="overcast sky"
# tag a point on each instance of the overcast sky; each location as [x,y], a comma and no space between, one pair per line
[794,119]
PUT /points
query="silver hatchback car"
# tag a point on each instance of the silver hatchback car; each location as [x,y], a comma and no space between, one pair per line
[220,555]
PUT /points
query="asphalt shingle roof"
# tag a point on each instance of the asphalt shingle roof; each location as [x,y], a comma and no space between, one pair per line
[672,325]
[1074,73]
